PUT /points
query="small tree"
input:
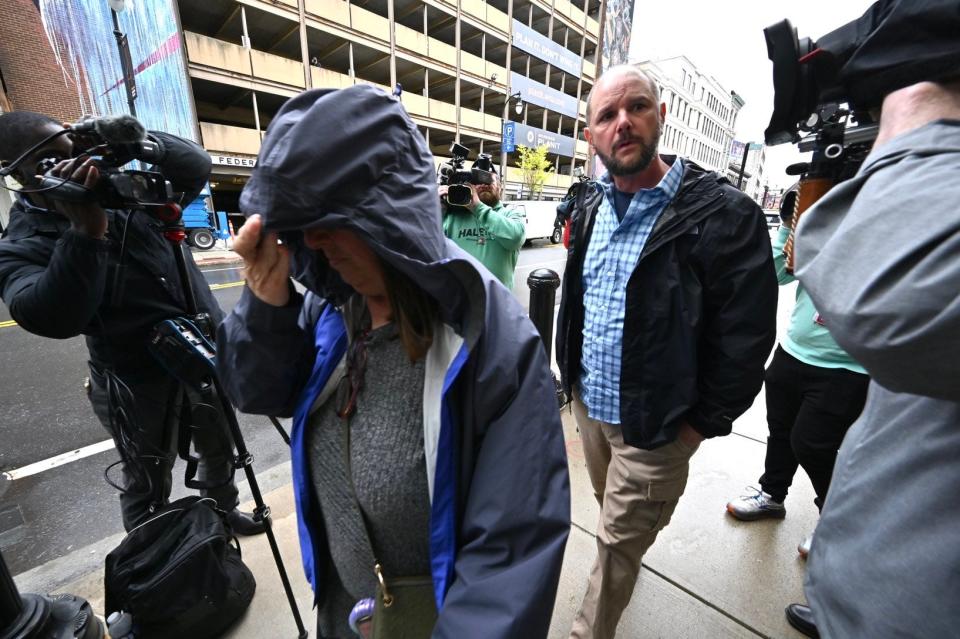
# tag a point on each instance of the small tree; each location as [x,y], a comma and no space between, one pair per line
[536,167]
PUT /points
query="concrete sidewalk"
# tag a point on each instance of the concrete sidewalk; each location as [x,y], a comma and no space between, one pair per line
[707,576]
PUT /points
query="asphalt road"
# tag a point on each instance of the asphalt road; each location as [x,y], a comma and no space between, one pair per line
[45,414]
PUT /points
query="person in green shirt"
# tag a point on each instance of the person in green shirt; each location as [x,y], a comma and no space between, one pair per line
[486,229]
[814,392]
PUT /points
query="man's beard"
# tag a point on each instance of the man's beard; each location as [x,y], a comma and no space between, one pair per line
[648,152]
[490,198]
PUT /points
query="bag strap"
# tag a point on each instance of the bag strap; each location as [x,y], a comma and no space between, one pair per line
[185,436]
[345,432]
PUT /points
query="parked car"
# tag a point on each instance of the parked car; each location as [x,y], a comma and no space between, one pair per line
[541,219]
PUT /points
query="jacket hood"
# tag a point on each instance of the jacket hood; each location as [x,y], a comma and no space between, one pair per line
[352,158]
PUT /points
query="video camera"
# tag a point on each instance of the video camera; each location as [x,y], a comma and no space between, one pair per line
[113,141]
[894,44]
[453,174]
[832,88]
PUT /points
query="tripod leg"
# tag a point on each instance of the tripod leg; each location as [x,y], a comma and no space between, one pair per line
[261,512]
[276,423]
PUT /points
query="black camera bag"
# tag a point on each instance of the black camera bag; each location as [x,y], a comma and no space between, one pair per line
[178,574]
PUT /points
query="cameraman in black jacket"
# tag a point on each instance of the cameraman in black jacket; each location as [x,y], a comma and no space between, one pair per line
[57,266]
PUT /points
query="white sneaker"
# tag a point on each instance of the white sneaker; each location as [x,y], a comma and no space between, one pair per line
[756,505]
[804,547]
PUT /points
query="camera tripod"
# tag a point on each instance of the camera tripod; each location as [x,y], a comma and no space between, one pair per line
[193,362]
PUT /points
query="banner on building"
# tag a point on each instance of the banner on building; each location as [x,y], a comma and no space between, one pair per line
[617,28]
[81,34]
[542,95]
[533,137]
[737,147]
[526,39]
[736,151]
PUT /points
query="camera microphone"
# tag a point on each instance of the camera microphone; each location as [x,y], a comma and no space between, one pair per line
[113,129]
[123,134]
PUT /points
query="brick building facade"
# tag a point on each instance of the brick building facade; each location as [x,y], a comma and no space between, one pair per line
[32,79]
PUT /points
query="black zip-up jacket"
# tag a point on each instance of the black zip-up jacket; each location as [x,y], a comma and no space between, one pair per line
[700,313]
[58,283]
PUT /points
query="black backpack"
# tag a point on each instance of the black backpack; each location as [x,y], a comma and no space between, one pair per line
[178,574]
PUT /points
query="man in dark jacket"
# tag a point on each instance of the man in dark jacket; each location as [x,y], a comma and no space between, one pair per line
[667,316]
[58,266]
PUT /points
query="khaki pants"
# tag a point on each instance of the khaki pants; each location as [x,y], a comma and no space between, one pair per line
[638,491]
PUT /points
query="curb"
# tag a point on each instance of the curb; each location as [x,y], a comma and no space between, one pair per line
[215,261]
[217,257]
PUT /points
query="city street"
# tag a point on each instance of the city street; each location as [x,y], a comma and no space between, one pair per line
[45,514]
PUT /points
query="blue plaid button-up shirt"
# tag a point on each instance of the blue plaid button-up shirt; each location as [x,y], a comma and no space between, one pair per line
[611,257]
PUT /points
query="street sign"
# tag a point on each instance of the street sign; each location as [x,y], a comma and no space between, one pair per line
[509,141]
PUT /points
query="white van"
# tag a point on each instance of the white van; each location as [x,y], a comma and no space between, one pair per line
[540,217]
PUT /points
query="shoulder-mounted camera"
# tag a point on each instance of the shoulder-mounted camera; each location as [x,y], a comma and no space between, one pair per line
[453,174]
[832,88]
[112,141]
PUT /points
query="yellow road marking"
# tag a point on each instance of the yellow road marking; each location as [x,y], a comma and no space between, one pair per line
[213,287]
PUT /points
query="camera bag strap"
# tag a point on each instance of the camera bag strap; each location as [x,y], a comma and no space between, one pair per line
[203,415]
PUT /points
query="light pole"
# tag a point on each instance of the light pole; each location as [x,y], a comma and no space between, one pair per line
[743,164]
[518,109]
[123,45]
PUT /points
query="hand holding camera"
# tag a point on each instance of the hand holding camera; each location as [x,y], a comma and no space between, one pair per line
[457,185]
[88,218]
[470,205]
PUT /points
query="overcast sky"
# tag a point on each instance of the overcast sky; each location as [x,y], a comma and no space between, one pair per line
[725,40]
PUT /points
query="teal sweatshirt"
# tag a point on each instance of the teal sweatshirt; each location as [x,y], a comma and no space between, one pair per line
[807,336]
[493,235]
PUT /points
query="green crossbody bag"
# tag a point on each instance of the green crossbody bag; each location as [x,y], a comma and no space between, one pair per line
[404,608]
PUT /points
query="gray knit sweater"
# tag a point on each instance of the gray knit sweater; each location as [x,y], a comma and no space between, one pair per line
[388,475]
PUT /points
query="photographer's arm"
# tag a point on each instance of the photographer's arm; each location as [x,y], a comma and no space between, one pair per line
[878,253]
[779,259]
[506,225]
[186,164]
[58,296]
[58,299]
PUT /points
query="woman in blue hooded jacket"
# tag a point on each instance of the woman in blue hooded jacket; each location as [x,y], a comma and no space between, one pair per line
[426,438]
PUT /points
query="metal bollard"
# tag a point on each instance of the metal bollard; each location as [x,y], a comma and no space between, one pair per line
[543,285]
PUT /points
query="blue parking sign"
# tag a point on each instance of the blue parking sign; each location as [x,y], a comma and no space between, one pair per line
[508,138]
